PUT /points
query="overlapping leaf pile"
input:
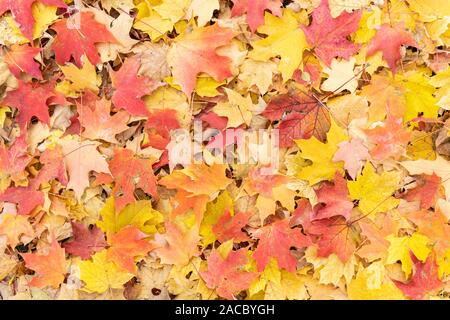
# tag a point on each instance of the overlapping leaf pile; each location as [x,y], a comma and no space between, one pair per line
[92,94]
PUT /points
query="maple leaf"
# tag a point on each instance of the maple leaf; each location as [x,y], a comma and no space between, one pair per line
[86,241]
[80,159]
[198,179]
[334,236]
[195,52]
[440,167]
[50,267]
[21,11]
[26,198]
[424,281]
[238,109]
[159,125]
[328,35]
[275,240]
[333,200]
[229,227]
[204,9]
[99,124]
[374,191]
[78,80]
[32,100]
[321,154]
[301,115]
[100,274]
[282,32]
[400,248]
[270,188]
[15,228]
[126,245]
[433,225]
[383,91]
[181,244]
[354,154]
[52,161]
[129,88]
[370,284]
[13,161]
[139,214]
[255,10]
[388,39]
[214,211]
[375,245]
[389,139]
[77,38]
[225,274]
[427,190]
[129,173]
[20,59]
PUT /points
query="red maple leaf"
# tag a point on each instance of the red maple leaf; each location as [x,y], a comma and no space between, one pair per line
[389,139]
[313,72]
[255,10]
[427,190]
[425,279]
[50,266]
[86,241]
[78,39]
[301,117]
[275,240]
[328,35]
[21,11]
[13,160]
[215,121]
[33,100]
[26,198]
[388,40]
[229,227]
[129,88]
[129,173]
[21,59]
[98,123]
[333,200]
[225,275]
[52,161]
[332,235]
[158,126]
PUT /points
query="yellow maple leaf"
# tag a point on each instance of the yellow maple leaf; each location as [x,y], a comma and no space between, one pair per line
[237,109]
[100,274]
[77,80]
[44,16]
[321,155]
[150,22]
[214,210]
[282,34]
[419,95]
[139,214]
[374,191]
[400,247]
[258,73]
[207,86]
[363,288]
[429,10]
[330,270]
[172,10]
